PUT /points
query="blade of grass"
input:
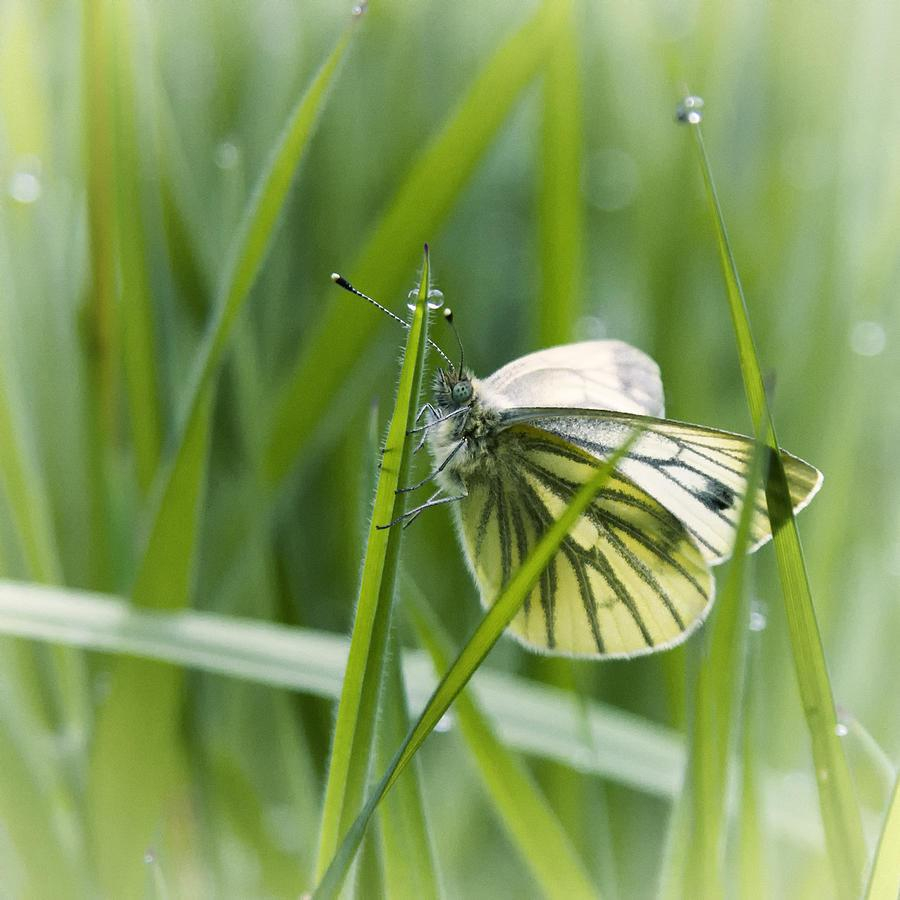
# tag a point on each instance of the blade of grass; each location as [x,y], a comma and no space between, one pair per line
[133,758]
[410,867]
[29,510]
[840,811]
[138,327]
[518,802]
[534,718]
[139,718]
[415,213]
[351,746]
[716,715]
[30,818]
[470,658]
[884,879]
[559,201]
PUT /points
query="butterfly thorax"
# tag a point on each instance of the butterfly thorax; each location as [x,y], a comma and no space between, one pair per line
[470,434]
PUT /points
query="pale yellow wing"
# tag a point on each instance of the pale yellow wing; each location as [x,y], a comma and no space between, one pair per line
[697,473]
[629,578]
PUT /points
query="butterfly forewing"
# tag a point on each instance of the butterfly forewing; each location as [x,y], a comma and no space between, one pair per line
[698,474]
[628,579]
[589,375]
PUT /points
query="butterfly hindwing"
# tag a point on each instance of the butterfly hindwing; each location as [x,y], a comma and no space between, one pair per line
[697,473]
[628,579]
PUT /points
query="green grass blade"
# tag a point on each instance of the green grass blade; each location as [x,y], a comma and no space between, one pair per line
[351,747]
[470,658]
[716,716]
[560,198]
[410,868]
[138,326]
[416,212]
[26,499]
[840,811]
[134,755]
[531,717]
[260,219]
[884,879]
[30,821]
[518,802]
[126,799]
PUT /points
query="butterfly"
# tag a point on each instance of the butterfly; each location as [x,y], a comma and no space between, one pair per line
[633,576]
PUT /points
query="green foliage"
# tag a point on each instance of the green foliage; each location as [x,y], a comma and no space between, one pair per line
[185,399]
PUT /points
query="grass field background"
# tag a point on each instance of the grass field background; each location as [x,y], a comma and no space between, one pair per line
[190,415]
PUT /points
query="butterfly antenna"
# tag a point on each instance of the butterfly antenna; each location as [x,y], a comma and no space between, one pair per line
[340,281]
[448,315]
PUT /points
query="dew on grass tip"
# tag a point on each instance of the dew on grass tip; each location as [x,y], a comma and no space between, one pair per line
[690,110]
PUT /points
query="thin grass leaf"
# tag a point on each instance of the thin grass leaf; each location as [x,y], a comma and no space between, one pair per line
[31,818]
[520,806]
[884,878]
[753,876]
[840,810]
[716,711]
[126,798]
[560,207]
[470,658]
[416,212]
[99,312]
[532,717]
[29,511]
[410,867]
[134,753]
[136,305]
[351,747]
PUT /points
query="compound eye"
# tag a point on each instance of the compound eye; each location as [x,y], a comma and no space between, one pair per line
[461,392]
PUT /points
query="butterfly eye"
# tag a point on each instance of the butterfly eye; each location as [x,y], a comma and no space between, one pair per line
[461,392]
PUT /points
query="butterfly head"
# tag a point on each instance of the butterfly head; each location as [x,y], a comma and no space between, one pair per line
[453,388]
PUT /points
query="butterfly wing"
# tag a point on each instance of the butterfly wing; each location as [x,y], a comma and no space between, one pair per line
[588,375]
[697,473]
[628,580]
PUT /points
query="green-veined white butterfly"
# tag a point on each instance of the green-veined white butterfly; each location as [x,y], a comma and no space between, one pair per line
[633,576]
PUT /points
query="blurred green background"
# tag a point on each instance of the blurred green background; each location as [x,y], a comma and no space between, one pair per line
[534,147]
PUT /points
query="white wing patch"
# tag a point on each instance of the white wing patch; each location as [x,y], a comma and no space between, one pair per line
[588,375]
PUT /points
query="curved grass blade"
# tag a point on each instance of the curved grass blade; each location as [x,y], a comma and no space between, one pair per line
[351,747]
[884,879]
[840,810]
[127,796]
[518,802]
[418,208]
[470,658]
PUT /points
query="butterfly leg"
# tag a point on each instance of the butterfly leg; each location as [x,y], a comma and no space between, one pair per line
[435,473]
[437,419]
[412,513]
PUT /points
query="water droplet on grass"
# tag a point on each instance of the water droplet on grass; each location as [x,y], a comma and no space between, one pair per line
[445,723]
[758,619]
[690,110]
[228,155]
[841,729]
[867,338]
[25,182]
